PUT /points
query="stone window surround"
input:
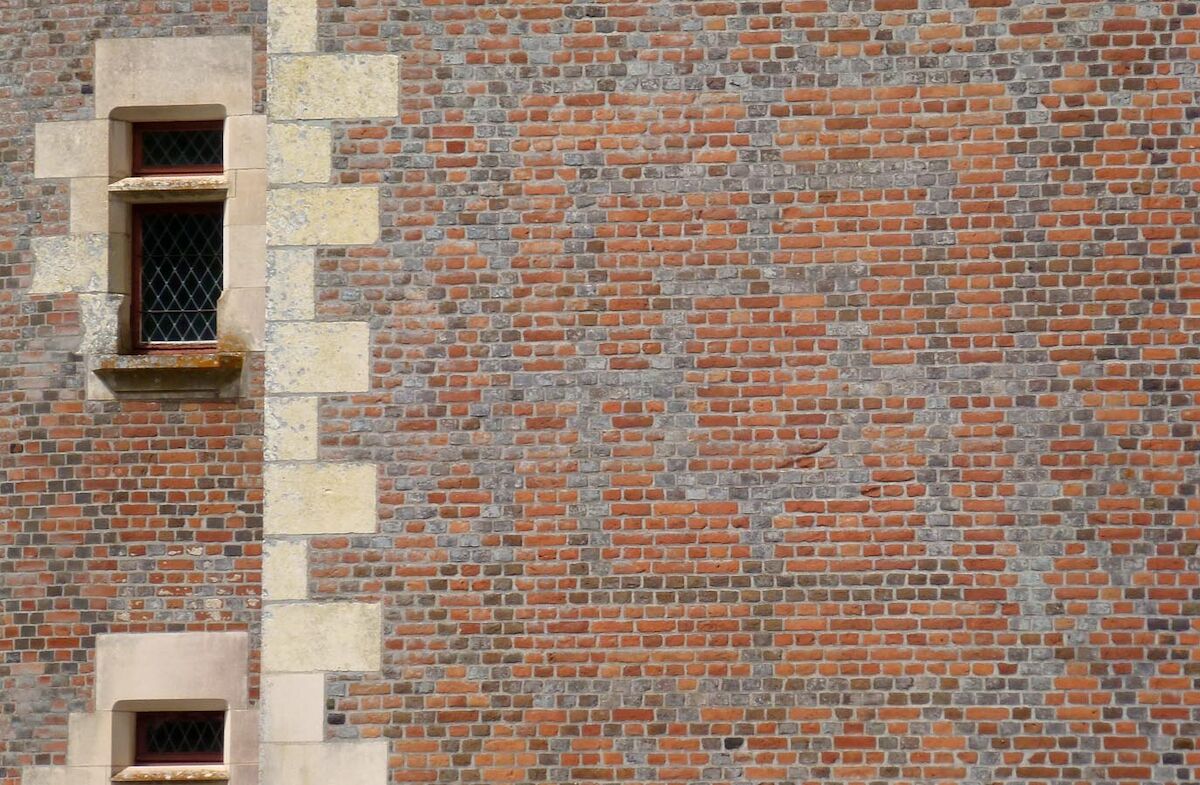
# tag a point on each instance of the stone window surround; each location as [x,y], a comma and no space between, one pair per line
[159,672]
[157,79]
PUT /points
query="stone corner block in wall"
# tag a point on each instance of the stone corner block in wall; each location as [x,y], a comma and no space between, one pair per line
[44,775]
[285,570]
[70,263]
[73,148]
[154,72]
[293,707]
[357,762]
[319,498]
[292,272]
[318,357]
[325,636]
[292,26]
[174,666]
[330,87]
[299,153]
[323,216]
[290,426]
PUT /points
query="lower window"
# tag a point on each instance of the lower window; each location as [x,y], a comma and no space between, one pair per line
[177,275]
[175,737]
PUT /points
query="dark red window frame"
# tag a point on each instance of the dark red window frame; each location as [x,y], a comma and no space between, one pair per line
[144,724]
[139,130]
[135,311]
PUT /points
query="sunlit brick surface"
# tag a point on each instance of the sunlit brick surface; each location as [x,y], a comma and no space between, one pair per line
[775,392]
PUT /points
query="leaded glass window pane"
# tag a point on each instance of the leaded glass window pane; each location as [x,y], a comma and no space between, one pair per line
[182,149]
[180,274]
[180,737]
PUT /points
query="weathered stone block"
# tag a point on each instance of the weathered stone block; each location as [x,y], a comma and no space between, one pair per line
[285,570]
[323,216]
[315,357]
[290,426]
[319,87]
[70,263]
[329,636]
[167,72]
[319,498]
[299,153]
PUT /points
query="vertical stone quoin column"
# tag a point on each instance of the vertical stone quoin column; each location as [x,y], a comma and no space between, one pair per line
[305,638]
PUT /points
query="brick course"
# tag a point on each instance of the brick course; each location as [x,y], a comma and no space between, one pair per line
[117,517]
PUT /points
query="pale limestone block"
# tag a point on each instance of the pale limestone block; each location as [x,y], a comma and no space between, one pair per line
[246,256]
[124,727]
[322,636]
[318,357]
[285,570]
[290,429]
[246,142]
[156,72]
[241,319]
[75,148]
[247,202]
[330,87]
[44,775]
[299,153]
[95,387]
[357,762]
[319,498]
[136,667]
[89,775]
[241,736]
[243,774]
[101,738]
[292,26]
[120,271]
[291,277]
[323,216]
[70,263]
[101,316]
[293,707]
[120,149]
[90,213]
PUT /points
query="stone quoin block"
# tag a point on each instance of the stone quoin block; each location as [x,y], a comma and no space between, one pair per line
[320,87]
[322,216]
[329,636]
[315,357]
[319,498]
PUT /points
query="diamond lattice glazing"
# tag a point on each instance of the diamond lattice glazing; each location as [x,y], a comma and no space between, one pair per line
[181,275]
[177,736]
[171,149]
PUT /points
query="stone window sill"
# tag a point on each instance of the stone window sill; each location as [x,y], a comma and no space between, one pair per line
[162,375]
[171,188]
[178,773]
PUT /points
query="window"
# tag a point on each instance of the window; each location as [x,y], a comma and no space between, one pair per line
[177,246]
[178,148]
[180,737]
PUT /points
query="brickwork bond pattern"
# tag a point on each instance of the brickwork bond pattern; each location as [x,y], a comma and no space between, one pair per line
[114,517]
[792,391]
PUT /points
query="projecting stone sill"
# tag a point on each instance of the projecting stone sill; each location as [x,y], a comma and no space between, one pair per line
[171,188]
[180,773]
[195,773]
[183,375]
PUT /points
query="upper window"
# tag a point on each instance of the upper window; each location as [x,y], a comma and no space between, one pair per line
[173,737]
[178,148]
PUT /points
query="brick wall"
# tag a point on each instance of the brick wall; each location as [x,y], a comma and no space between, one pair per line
[117,517]
[789,391]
